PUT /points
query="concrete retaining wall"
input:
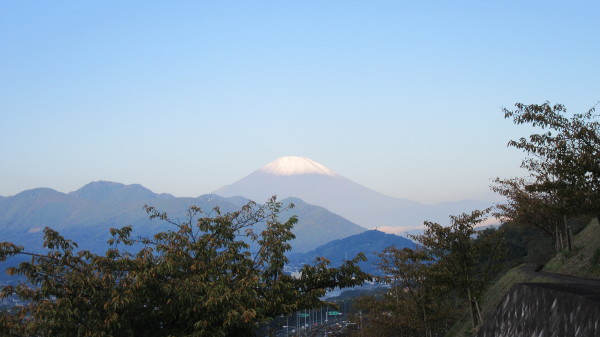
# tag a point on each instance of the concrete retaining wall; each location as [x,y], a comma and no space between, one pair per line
[546,310]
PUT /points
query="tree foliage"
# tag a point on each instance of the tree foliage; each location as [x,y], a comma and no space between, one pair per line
[465,260]
[200,279]
[565,158]
[528,206]
[563,161]
[433,283]
[419,301]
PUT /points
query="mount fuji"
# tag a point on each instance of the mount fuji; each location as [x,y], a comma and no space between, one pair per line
[317,184]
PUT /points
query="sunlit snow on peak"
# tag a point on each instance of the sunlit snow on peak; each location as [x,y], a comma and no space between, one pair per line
[291,165]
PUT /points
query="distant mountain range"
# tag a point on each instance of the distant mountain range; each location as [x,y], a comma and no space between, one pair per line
[86,215]
[316,184]
[370,243]
[331,209]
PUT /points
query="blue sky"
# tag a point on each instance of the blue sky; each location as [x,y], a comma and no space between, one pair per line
[183,97]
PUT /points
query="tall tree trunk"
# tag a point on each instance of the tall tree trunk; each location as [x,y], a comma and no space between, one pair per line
[480,319]
[473,318]
[427,330]
[556,239]
[560,237]
[567,233]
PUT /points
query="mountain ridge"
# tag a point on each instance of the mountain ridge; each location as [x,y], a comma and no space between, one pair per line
[370,243]
[345,197]
[91,210]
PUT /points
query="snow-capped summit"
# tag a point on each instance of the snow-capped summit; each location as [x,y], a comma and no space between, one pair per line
[292,165]
[315,184]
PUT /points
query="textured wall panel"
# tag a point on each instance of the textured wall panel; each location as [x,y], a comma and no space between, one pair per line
[546,310]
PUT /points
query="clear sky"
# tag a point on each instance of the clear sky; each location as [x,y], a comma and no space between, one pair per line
[183,97]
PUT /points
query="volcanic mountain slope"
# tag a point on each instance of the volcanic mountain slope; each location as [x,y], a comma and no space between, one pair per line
[316,184]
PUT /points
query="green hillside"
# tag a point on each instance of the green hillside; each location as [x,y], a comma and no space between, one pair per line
[583,260]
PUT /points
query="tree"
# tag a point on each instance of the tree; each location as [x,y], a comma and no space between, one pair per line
[464,261]
[199,279]
[530,207]
[432,284]
[564,170]
[564,160]
[420,303]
